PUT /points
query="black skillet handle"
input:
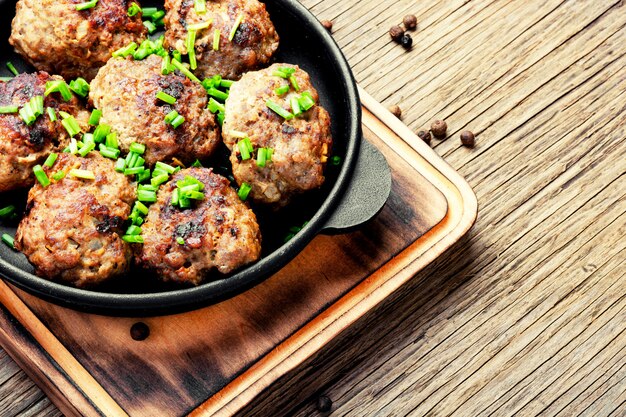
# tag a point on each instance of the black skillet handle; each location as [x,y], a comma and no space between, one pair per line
[365,195]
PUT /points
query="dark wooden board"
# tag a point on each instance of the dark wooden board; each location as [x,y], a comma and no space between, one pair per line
[215,360]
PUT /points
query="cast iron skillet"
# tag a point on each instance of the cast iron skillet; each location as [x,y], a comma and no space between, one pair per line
[354,191]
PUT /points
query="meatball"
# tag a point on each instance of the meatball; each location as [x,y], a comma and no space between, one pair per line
[252,46]
[53,36]
[125,90]
[185,245]
[21,146]
[300,145]
[71,229]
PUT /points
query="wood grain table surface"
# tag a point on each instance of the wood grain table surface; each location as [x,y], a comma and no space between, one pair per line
[526,315]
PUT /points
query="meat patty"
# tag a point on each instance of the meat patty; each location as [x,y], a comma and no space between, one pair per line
[21,146]
[55,37]
[300,146]
[71,228]
[125,90]
[219,232]
[252,46]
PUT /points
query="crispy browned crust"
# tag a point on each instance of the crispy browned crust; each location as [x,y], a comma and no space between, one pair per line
[252,47]
[301,145]
[221,233]
[70,231]
[125,90]
[21,146]
[53,36]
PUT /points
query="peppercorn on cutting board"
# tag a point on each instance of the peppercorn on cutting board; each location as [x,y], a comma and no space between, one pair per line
[215,360]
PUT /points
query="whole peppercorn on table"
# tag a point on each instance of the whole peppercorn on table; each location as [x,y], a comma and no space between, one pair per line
[525,315]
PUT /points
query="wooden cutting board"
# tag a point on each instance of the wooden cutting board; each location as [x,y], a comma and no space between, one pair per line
[215,360]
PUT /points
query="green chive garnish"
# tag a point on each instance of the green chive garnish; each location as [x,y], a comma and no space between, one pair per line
[11,68]
[231,36]
[58,176]
[191,49]
[183,69]
[8,109]
[200,26]
[277,108]
[165,65]
[295,106]
[133,9]
[52,114]
[163,96]
[82,174]
[180,240]
[7,212]
[220,95]
[107,152]
[261,157]
[8,240]
[80,86]
[146,196]
[281,91]
[243,150]
[169,118]
[138,148]
[87,5]
[244,191]
[94,119]
[150,26]
[50,160]
[216,39]
[86,148]
[71,125]
[41,176]
[126,50]
[200,6]
[132,239]
[58,86]
[179,120]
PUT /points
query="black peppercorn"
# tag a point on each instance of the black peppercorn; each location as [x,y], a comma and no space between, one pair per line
[425,136]
[328,25]
[439,128]
[396,33]
[406,41]
[139,331]
[468,139]
[324,404]
[396,110]
[410,21]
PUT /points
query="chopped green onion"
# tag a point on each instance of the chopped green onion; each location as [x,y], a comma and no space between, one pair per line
[87,5]
[71,125]
[195,195]
[73,148]
[183,69]
[281,91]
[200,6]
[287,70]
[107,152]
[141,208]
[261,157]
[133,9]
[157,15]
[165,167]
[294,83]
[8,240]
[215,106]
[82,174]
[197,164]
[133,230]
[52,114]
[131,158]
[277,108]
[179,120]
[176,55]
[5,79]
[150,26]
[226,83]
[88,147]
[231,36]
[94,119]
[270,153]
[143,175]
[243,150]
[133,239]
[148,12]
[41,176]
[126,50]
[50,160]
[279,73]
[8,109]
[200,26]
[146,48]
[163,96]
[139,162]
[27,114]
[120,165]
[295,106]
[216,39]
[158,180]
[189,180]
[169,118]
[7,212]
[180,240]
[147,196]
[80,86]
[175,197]
[101,132]
[133,170]
[11,68]
[58,86]
[58,176]
[220,95]
[244,191]
[138,148]
[165,65]
[111,141]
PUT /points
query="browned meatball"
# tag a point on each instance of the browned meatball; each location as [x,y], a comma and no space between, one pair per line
[53,36]
[125,90]
[300,146]
[219,232]
[71,228]
[21,146]
[252,46]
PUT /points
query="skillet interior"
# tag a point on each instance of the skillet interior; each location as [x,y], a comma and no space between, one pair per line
[303,42]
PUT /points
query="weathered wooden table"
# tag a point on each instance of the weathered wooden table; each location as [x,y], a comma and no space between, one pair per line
[526,315]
